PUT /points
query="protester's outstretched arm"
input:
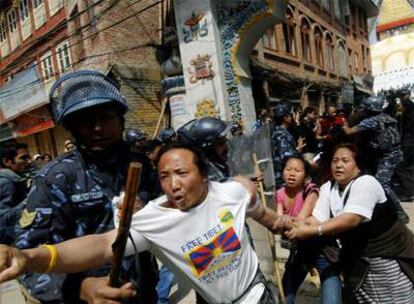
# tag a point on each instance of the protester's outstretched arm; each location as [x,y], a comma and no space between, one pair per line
[73,256]
[269,218]
[341,223]
[261,214]
[308,206]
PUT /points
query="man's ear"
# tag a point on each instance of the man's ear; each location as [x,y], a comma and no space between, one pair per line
[6,162]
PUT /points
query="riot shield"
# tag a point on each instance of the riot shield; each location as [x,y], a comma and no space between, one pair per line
[240,157]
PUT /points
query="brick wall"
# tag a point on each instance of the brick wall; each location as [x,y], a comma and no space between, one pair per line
[128,50]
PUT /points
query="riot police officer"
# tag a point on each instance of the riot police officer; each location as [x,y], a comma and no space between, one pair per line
[136,138]
[282,141]
[209,135]
[72,195]
[167,135]
[380,141]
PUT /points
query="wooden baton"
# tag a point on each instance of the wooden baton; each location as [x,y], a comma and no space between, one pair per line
[271,237]
[118,247]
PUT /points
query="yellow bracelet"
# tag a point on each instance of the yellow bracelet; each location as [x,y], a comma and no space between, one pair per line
[53,257]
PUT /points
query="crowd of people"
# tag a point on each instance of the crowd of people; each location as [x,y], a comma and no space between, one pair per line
[340,179]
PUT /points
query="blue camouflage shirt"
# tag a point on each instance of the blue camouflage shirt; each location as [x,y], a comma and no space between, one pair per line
[72,197]
[283,146]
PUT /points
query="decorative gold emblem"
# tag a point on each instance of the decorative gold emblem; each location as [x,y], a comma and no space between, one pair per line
[201,69]
[206,108]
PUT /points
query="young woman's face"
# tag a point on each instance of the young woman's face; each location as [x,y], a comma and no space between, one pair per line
[294,173]
[344,167]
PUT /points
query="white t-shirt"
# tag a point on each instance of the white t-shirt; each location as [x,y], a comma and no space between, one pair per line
[206,245]
[365,193]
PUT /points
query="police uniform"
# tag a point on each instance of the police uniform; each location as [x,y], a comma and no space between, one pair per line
[72,197]
[283,146]
[388,155]
[13,191]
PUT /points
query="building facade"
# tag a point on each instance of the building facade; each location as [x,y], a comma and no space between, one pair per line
[34,51]
[42,39]
[319,55]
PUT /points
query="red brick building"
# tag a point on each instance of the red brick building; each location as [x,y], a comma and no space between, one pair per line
[33,52]
[318,55]
[41,39]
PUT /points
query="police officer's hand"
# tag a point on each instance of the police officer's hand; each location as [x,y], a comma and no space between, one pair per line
[13,263]
[96,291]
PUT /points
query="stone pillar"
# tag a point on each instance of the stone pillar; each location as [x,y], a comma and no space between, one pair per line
[216,38]
[174,90]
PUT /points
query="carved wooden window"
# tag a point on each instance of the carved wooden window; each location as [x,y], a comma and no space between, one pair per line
[342,66]
[3,33]
[319,47]
[62,51]
[331,51]
[36,3]
[12,20]
[289,35]
[24,9]
[305,38]
[269,39]
[47,66]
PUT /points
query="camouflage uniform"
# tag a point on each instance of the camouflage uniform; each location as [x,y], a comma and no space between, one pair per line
[387,155]
[12,192]
[283,146]
[72,197]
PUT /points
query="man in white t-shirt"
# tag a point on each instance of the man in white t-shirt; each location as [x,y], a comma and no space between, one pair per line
[196,229]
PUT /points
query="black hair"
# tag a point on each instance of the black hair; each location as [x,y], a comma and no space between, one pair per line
[306,165]
[359,160]
[200,159]
[306,111]
[21,146]
[9,152]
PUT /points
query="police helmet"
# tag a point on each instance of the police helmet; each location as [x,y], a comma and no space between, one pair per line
[183,132]
[282,109]
[207,130]
[134,135]
[166,135]
[373,103]
[83,89]
[204,132]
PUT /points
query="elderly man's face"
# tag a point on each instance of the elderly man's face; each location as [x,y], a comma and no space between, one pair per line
[181,179]
[97,128]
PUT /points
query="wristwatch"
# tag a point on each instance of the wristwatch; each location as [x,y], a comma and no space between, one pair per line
[320,232]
